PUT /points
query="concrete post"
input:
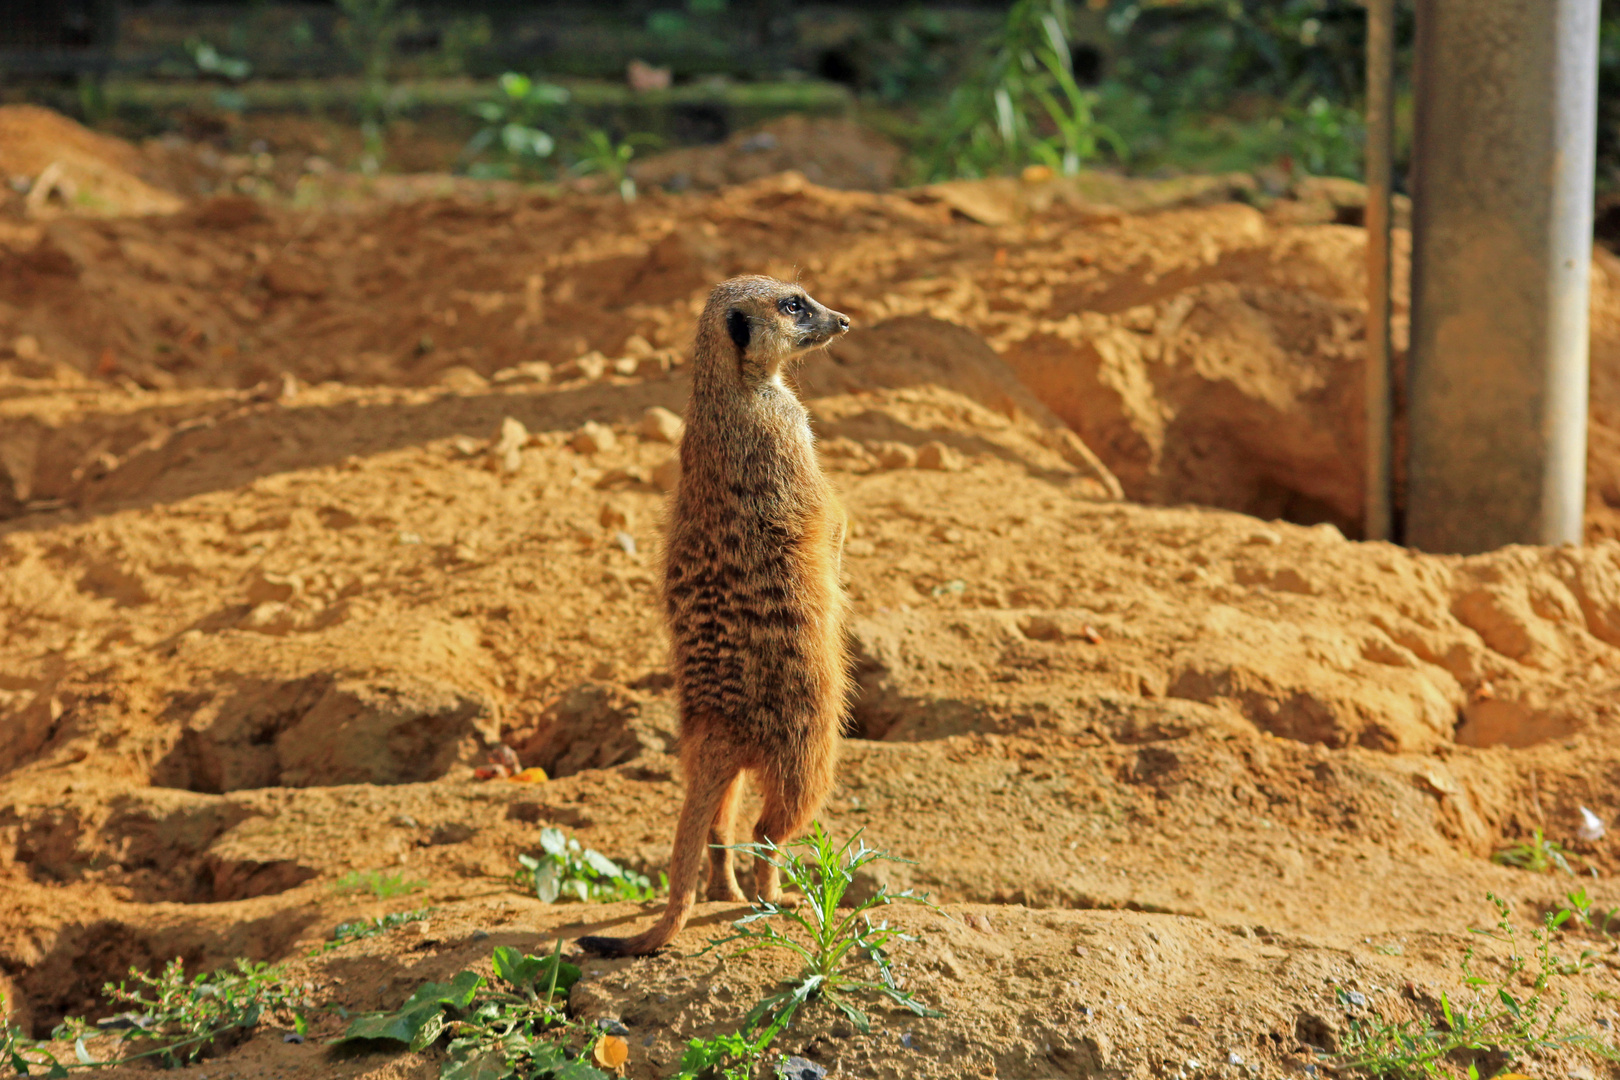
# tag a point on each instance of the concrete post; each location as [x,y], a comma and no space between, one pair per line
[1503,170]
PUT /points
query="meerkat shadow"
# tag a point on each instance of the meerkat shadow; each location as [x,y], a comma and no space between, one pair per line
[724,912]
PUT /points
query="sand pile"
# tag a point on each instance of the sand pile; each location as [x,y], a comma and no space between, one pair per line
[305,513]
[60,167]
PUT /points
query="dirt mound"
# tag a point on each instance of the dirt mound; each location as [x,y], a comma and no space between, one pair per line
[66,168]
[306,511]
[1206,354]
[831,153]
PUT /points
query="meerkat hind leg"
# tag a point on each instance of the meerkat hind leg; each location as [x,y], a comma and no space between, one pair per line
[722,860]
[707,783]
[790,803]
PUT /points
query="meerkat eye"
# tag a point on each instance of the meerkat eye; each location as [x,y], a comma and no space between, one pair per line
[792,306]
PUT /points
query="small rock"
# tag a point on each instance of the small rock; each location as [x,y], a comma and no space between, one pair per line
[537,371]
[267,588]
[593,438]
[1581,1072]
[637,346]
[667,476]
[593,365]
[626,542]
[292,1037]
[466,445]
[610,1025]
[1234,1058]
[461,377]
[404,821]
[268,618]
[651,367]
[938,456]
[1356,998]
[626,365]
[1591,826]
[798,1068]
[480,935]
[905,1039]
[658,424]
[613,517]
[896,455]
[1262,538]
[506,454]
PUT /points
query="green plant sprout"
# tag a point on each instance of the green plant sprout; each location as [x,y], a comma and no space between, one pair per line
[1537,855]
[360,929]
[1495,1016]
[827,941]
[566,871]
[512,126]
[382,886]
[729,1056]
[601,154]
[182,1017]
[1025,107]
[519,1029]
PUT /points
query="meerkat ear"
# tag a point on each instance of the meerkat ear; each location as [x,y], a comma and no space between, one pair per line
[737,326]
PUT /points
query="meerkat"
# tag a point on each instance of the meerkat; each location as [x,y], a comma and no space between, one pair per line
[752,596]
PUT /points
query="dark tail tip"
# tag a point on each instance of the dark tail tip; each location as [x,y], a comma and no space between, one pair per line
[604,946]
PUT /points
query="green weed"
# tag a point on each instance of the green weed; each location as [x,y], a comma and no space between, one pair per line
[729,1056]
[1495,1016]
[175,1019]
[601,154]
[369,31]
[359,929]
[382,886]
[827,941]
[1537,855]
[1024,107]
[518,1028]
[566,871]
[512,130]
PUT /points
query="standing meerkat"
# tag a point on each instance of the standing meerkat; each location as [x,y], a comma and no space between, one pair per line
[751,590]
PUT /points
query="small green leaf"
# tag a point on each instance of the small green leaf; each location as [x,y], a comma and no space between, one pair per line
[428,1033]
[553,841]
[490,1065]
[580,1070]
[547,884]
[81,1052]
[602,864]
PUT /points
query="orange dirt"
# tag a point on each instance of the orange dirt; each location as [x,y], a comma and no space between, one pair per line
[305,510]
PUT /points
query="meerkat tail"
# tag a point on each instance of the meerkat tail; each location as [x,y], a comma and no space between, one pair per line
[687,865]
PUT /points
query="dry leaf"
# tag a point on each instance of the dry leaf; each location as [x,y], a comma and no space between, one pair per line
[611,1052]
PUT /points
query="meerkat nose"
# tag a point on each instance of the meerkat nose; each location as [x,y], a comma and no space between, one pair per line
[843,322]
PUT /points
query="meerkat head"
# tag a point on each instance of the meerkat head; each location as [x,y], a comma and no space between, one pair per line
[764,323]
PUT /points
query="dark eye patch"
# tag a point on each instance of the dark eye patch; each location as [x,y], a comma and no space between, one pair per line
[791,305]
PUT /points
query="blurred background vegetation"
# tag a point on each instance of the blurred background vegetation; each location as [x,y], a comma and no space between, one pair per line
[539,90]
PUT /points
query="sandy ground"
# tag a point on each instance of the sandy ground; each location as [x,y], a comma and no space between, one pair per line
[304,510]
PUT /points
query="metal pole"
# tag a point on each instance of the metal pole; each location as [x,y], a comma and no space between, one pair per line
[1502,240]
[1378,511]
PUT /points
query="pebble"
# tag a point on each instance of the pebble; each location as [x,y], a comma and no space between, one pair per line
[938,456]
[404,821]
[896,456]
[506,453]
[667,476]
[626,542]
[593,438]
[658,424]
[1356,998]
[798,1068]
[626,365]
[1262,538]
[637,346]
[612,1026]
[1234,1058]
[292,1037]
[480,935]
[533,371]
[593,365]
